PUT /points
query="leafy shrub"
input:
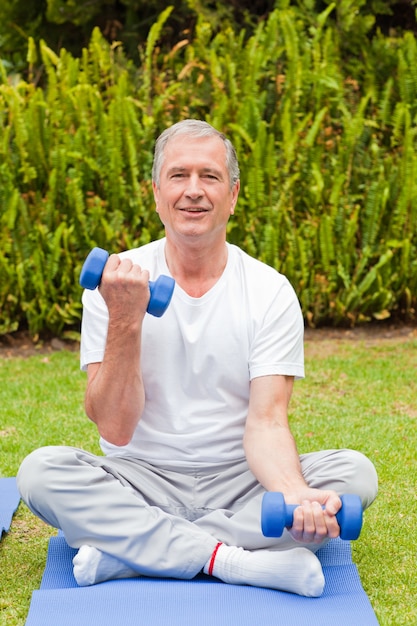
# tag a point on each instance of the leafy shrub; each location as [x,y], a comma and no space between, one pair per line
[68,23]
[328,162]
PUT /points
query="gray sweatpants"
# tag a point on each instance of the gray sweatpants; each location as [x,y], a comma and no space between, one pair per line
[167,523]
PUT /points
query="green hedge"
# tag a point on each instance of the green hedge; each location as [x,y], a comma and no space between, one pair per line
[327,152]
[69,23]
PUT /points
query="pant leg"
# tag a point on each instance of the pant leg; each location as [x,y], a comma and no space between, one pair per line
[344,471]
[70,489]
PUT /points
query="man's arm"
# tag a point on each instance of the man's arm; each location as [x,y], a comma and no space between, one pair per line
[115,396]
[273,458]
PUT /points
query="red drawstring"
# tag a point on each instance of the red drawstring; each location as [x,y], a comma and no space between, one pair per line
[213,556]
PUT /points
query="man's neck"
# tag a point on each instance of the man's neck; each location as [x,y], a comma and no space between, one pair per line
[196,268]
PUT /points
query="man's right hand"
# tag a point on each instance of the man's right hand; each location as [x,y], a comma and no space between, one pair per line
[125,289]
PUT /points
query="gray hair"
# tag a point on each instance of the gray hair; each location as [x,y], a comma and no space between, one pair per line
[194,128]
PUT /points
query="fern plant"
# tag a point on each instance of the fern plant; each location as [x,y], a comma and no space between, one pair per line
[327,157]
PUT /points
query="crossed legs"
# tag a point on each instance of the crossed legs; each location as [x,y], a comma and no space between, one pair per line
[139,520]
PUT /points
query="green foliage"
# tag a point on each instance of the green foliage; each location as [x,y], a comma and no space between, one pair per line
[69,177]
[69,23]
[328,161]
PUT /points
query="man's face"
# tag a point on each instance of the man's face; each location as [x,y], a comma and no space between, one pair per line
[194,198]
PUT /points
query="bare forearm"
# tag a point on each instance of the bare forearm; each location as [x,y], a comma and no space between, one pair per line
[269,445]
[273,458]
[115,396]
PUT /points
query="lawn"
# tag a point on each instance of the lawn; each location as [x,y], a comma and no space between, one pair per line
[358,393]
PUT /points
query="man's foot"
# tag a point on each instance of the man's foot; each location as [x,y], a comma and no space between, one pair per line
[297,570]
[92,566]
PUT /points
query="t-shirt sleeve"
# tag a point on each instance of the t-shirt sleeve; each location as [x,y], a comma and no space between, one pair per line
[277,346]
[94,327]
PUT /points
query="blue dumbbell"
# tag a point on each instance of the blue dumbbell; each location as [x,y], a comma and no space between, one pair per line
[161,289]
[277,515]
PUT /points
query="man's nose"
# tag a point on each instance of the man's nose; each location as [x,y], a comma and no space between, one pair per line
[194,188]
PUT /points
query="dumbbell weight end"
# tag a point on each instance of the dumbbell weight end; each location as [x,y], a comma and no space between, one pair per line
[161,293]
[93,267]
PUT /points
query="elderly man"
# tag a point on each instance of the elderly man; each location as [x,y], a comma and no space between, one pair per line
[192,408]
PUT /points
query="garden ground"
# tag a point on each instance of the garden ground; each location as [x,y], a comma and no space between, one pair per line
[22,345]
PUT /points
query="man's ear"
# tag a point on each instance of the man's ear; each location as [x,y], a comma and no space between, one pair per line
[235,194]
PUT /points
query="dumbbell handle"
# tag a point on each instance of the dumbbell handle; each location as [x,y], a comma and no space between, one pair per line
[277,515]
[161,289]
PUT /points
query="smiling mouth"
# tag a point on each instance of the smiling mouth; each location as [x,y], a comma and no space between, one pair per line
[194,210]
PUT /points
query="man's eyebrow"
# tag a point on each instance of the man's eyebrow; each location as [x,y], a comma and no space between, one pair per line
[212,170]
[204,170]
[176,168]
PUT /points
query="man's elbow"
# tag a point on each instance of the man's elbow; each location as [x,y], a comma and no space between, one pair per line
[116,437]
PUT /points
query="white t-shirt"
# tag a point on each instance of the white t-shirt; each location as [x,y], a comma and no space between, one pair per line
[198,358]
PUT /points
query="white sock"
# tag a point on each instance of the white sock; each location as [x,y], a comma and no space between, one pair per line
[297,570]
[92,566]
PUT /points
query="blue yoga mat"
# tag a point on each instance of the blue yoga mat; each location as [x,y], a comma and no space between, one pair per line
[203,601]
[9,501]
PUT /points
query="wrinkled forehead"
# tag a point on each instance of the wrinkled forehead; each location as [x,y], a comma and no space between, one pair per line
[183,142]
[188,151]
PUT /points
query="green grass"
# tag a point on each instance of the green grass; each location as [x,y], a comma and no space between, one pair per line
[41,403]
[360,394]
